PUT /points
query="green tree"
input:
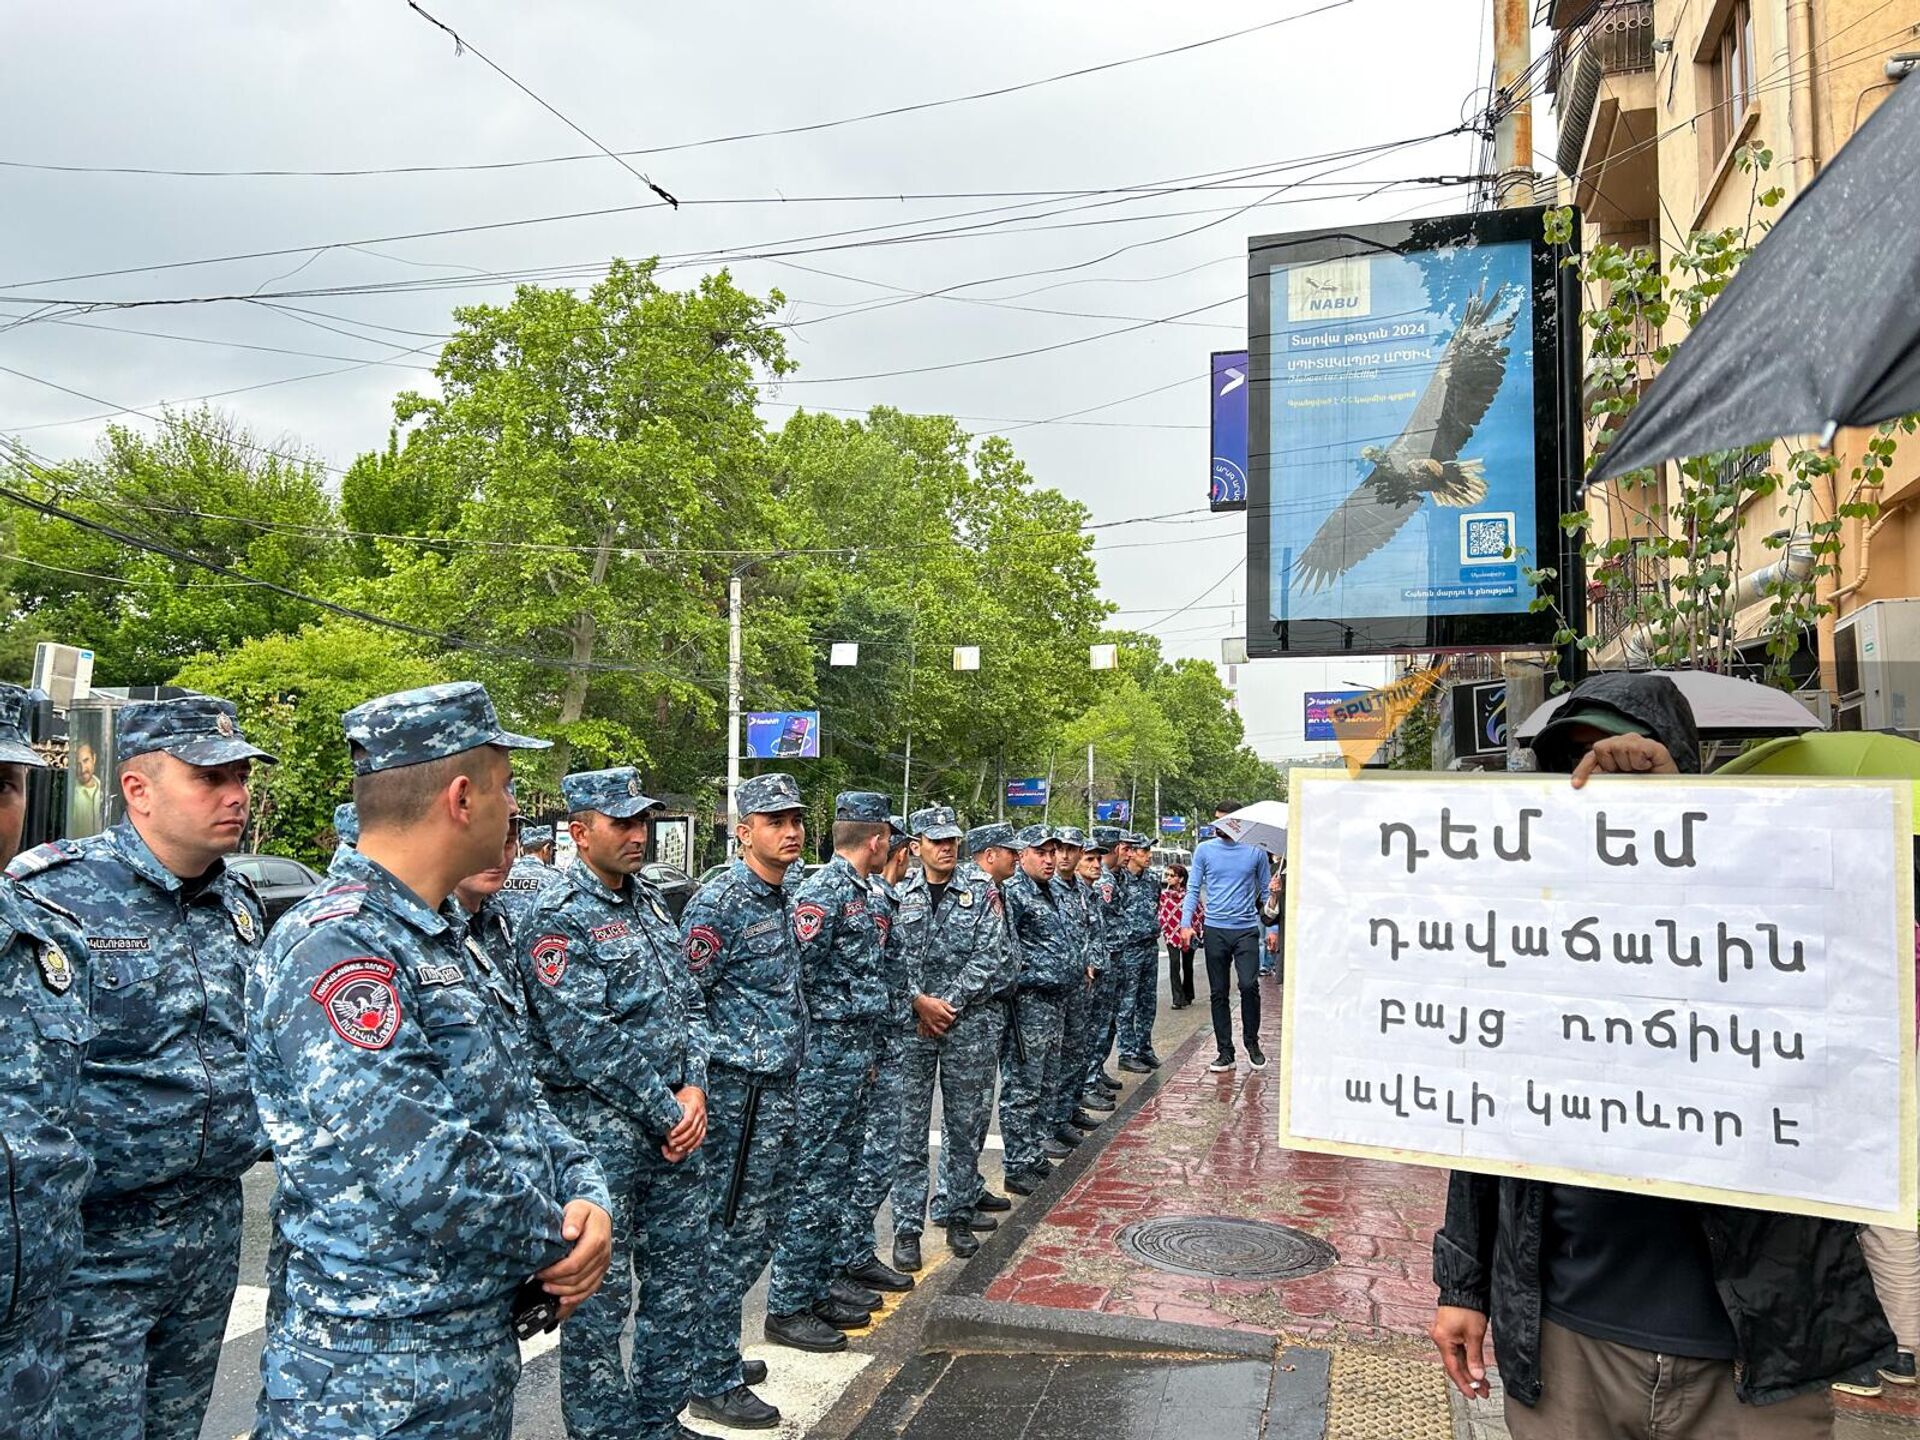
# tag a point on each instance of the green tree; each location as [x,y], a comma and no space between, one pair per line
[290,691]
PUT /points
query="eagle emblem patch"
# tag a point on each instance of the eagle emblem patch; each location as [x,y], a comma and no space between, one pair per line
[243,925]
[550,958]
[55,970]
[807,920]
[361,1002]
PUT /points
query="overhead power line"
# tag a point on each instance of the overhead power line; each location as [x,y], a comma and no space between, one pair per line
[461,46]
[600,152]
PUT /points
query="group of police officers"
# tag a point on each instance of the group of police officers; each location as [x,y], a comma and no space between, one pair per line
[500,1096]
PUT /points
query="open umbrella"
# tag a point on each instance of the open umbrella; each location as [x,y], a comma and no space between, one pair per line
[1844,753]
[1819,328]
[1263,823]
[1724,707]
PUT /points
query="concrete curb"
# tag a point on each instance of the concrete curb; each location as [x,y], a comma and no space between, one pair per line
[963,1323]
[997,1252]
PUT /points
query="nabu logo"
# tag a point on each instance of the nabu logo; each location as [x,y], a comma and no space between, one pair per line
[1332,290]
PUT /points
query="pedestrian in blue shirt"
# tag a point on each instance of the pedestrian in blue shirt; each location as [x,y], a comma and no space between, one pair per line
[1233,879]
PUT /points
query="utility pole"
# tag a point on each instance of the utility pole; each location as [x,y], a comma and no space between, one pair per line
[1155,832]
[733,708]
[1512,107]
[1089,788]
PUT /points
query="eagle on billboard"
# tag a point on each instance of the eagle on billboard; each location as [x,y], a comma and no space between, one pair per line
[1425,460]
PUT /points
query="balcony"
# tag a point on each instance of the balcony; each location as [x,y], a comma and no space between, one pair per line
[1602,80]
[1616,590]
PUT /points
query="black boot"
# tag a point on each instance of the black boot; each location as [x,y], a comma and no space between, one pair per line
[1024,1184]
[1081,1120]
[871,1273]
[854,1297]
[961,1242]
[739,1408]
[1098,1100]
[753,1372]
[804,1330]
[1054,1150]
[906,1253]
[842,1317]
[990,1201]
[983,1224]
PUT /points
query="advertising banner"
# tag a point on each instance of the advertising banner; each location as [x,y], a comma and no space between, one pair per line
[1112,812]
[1227,489]
[1320,705]
[1409,445]
[783,735]
[1173,824]
[1027,794]
[1622,986]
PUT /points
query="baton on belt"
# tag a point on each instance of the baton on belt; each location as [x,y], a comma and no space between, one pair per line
[736,1182]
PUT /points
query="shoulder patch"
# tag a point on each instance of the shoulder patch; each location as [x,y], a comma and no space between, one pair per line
[808,918]
[335,904]
[550,958]
[361,1001]
[994,902]
[703,946]
[42,858]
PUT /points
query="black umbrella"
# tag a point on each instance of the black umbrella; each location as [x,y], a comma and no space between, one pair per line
[1819,328]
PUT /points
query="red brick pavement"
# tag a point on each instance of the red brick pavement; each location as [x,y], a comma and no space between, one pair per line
[1204,1145]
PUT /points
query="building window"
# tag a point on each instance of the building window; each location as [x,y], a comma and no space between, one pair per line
[1730,79]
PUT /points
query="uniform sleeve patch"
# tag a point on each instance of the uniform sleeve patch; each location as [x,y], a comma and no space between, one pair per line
[994,902]
[807,920]
[361,1001]
[885,922]
[703,946]
[550,958]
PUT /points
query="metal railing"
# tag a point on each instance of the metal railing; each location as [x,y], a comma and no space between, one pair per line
[1614,597]
[1614,37]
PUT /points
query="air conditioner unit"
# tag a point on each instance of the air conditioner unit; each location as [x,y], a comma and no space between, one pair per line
[64,672]
[1876,653]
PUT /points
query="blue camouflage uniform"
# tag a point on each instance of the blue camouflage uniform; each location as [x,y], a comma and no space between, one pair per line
[43,1169]
[423,1176]
[1139,958]
[879,1152]
[961,952]
[165,1107]
[529,874]
[844,986]
[737,935]
[346,824]
[618,1028]
[1051,939]
[1076,1007]
[1109,893]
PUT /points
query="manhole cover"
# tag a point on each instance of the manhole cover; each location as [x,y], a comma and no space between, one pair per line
[1222,1248]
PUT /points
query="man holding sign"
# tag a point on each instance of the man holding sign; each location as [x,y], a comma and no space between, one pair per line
[1625,1313]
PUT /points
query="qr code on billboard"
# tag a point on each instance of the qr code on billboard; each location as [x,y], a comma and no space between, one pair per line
[1486,539]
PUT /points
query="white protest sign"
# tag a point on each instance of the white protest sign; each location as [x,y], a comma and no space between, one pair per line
[1689,987]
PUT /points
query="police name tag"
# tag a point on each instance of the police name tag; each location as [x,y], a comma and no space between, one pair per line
[448,974]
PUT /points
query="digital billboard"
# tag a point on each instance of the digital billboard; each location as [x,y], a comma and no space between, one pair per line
[1028,794]
[1319,707]
[1410,445]
[783,735]
[1227,486]
[1118,811]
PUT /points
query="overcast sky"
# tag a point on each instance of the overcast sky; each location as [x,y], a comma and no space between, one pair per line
[335,84]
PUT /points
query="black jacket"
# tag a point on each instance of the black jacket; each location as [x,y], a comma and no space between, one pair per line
[1796,1289]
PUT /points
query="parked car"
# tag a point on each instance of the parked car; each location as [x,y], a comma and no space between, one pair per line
[279,882]
[676,887]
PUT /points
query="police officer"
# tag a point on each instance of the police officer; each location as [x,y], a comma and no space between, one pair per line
[619,1040]
[1109,896]
[873,1174]
[1065,1109]
[165,935]
[737,937]
[1100,1087]
[1051,940]
[1139,954]
[423,1179]
[532,871]
[846,997]
[959,957]
[43,1169]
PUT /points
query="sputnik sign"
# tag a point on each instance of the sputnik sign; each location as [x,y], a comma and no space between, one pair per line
[1627,986]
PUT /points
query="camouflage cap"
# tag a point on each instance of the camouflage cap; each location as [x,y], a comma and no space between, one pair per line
[1105,837]
[986,837]
[195,728]
[864,806]
[1031,836]
[774,793]
[1071,836]
[536,837]
[898,825]
[412,727]
[936,822]
[14,749]
[346,824]
[1138,841]
[614,792]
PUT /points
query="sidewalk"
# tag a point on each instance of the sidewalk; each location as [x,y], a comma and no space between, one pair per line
[1156,1269]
